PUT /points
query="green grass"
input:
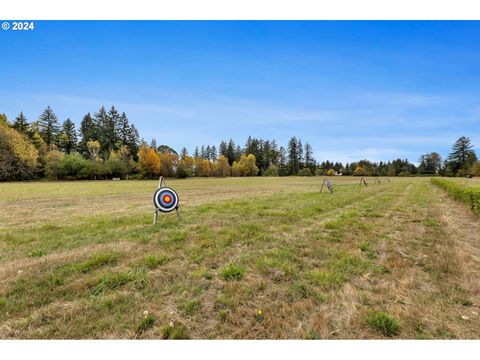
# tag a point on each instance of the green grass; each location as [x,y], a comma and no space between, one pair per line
[154,261]
[146,323]
[95,262]
[175,331]
[232,272]
[383,323]
[37,253]
[313,262]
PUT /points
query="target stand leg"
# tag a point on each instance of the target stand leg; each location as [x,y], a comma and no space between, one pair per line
[323,184]
[155,216]
[178,215]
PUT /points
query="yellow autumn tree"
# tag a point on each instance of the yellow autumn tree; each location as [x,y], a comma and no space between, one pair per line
[18,157]
[198,166]
[222,167]
[247,165]
[360,171]
[236,169]
[168,163]
[149,162]
[207,168]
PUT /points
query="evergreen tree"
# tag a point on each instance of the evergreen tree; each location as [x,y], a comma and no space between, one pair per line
[183,153]
[123,129]
[255,147]
[213,153]
[238,153]
[21,124]
[69,135]
[230,152]
[196,153]
[49,127]
[153,144]
[282,162]
[101,121]
[309,160]
[300,153]
[108,126]
[113,130]
[133,141]
[462,156]
[88,132]
[294,156]
[222,149]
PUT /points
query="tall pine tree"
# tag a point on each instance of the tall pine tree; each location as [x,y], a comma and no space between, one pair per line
[294,155]
[69,134]
[21,124]
[462,156]
[49,127]
[88,132]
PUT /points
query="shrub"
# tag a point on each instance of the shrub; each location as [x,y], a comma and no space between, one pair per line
[232,272]
[331,172]
[382,322]
[475,169]
[470,197]
[72,165]
[319,172]
[305,172]
[271,171]
[182,171]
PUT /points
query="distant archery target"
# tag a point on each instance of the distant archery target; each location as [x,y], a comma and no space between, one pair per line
[165,199]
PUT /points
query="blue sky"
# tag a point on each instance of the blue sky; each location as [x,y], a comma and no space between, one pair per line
[354,90]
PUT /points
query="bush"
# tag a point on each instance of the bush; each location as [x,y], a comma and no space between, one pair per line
[72,165]
[271,171]
[475,169]
[382,322]
[320,172]
[331,172]
[470,197]
[305,172]
[182,172]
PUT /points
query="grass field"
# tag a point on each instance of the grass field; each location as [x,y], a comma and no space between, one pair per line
[469,183]
[252,258]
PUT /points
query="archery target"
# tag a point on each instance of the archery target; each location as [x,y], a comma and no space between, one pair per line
[165,199]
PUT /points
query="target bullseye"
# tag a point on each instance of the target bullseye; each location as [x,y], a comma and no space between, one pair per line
[165,199]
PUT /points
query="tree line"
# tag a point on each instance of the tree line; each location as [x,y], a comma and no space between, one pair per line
[108,145]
